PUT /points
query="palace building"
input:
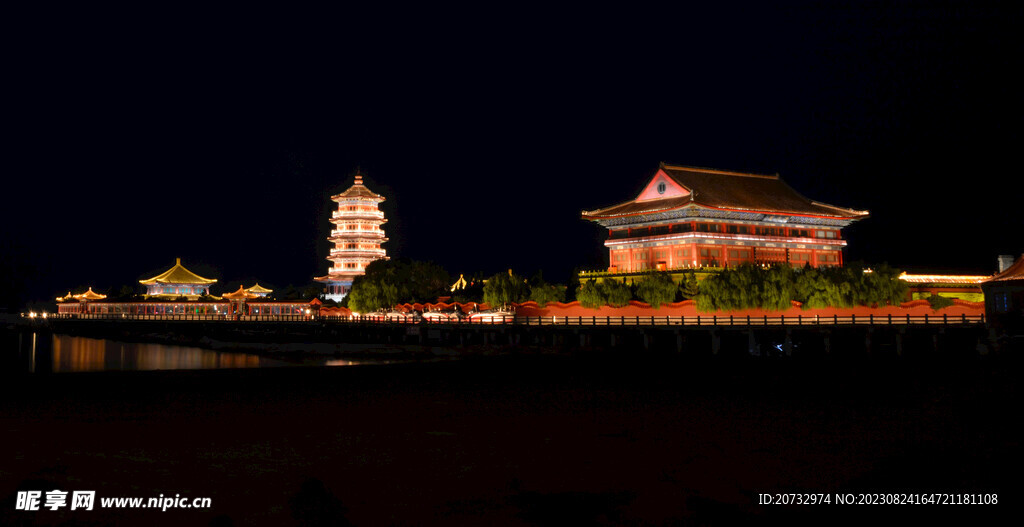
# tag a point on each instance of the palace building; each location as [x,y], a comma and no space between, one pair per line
[179,294]
[357,237]
[687,217]
[177,282]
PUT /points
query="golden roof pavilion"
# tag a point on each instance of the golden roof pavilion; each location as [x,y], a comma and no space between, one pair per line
[259,290]
[241,294]
[177,282]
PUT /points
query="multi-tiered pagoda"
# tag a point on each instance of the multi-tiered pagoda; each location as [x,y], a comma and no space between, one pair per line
[357,237]
[689,217]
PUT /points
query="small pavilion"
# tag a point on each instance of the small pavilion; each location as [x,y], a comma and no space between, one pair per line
[238,299]
[259,290]
[87,296]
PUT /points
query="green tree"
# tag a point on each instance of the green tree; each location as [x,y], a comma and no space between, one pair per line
[731,289]
[657,289]
[503,289]
[775,288]
[372,295]
[778,288]
[591,295]
[387,282]
[688,287]
[544,293]
[709,291]
[426,282]
[884,286]
[616,293]
[414,281]
[939,302]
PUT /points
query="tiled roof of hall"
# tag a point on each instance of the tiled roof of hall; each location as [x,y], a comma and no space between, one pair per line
[358,191]
[728,190]
[177,275]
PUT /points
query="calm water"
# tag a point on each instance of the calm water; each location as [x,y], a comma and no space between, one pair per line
[61,353]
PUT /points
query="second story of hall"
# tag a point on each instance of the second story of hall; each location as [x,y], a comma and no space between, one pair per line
[701,230]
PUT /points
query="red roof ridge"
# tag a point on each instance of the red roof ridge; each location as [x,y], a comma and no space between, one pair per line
[718,171]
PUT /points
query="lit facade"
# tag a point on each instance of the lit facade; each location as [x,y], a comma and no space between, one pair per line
[357,237]
[687,217]
[222,310]
[175,295]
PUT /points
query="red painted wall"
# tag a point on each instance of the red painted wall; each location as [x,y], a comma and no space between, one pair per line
[688,308]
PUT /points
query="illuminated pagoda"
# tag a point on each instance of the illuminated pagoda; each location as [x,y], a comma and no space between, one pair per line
[357,237]
[687,217]
[177,282]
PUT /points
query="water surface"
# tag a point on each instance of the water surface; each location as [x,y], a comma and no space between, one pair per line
[41,353]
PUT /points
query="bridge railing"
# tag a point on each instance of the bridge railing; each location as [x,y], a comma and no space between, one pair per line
[698,320]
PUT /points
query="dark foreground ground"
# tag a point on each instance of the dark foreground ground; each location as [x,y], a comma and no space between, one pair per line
[516,441]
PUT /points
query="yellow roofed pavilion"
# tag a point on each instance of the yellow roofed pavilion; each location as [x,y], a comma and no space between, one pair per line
[241,294]
[177,282]
[259,290]
[82,297]
[90,295]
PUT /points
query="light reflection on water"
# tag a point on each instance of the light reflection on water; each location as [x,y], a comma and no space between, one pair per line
[80,354]
[340,362]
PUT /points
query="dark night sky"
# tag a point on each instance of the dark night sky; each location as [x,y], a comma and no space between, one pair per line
[219,138]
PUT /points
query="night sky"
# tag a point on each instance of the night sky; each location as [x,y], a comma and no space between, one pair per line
[218,138]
